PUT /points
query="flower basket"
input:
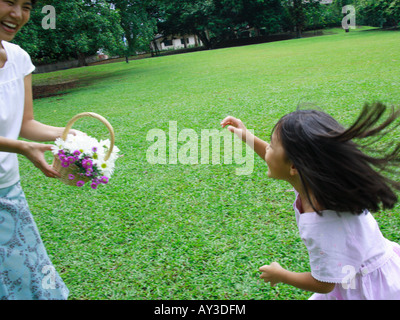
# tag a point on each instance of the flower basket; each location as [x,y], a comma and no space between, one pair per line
[81,159]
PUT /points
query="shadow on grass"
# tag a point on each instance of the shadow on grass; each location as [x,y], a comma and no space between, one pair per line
[64,86]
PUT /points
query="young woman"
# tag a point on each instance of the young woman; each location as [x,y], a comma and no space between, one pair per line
[336,188]
[25,269]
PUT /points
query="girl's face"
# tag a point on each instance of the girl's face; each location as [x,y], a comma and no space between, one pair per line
[14,14]
[279,167]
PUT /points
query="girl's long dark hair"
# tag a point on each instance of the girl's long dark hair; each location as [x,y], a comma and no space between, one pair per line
[335,169]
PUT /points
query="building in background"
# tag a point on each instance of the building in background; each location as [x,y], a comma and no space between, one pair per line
[174,42]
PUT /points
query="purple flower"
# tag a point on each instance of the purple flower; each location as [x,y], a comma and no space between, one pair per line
[65,164]
[80,183]
[94,149]
[104,180]
[71,177]
[71,159]
[77,153]
[88,173]
[94,185]
[87,163]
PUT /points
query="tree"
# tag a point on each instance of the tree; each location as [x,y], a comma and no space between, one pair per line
[214,21]
[301,13]
[264,14]
[138,22]
[380,13]
[295,8]
[242,15]
[82,28]
[393,11]
[179,17]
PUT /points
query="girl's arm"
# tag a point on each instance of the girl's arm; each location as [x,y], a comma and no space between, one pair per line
[237,127]
[274,274]
[32,129]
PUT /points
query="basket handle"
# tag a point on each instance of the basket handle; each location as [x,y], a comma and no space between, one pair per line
[98,117]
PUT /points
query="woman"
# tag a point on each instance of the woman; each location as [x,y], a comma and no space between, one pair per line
[25,269]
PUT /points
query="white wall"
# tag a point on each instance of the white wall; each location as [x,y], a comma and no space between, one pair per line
[177,44]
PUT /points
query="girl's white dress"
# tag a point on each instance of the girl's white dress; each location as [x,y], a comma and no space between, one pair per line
[351,251]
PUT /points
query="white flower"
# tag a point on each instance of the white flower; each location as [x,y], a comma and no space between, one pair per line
[58,145]
[106,168]
[89,147]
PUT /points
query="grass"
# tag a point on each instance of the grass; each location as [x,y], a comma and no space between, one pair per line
[200,231]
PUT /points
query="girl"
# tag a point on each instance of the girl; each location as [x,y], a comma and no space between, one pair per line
[336,188]
[25,269]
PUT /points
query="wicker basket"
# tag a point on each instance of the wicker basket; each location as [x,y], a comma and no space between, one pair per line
[72,169]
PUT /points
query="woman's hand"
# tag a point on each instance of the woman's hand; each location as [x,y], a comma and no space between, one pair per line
[235,126]
[35,153]
[75,132]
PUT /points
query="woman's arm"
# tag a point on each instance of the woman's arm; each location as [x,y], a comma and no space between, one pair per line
[33,151]
[13,146]
[237,127]
[274,274]
[30,128]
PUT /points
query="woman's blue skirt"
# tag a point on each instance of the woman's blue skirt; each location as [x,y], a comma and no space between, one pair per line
[26,272]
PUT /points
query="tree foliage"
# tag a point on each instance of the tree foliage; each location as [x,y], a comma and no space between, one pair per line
[214,21]
[138,23]
[379,13]
[82,28]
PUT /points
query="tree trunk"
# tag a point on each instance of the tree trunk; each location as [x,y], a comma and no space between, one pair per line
[82,59]
[298,31]
[203,37]
[184,42]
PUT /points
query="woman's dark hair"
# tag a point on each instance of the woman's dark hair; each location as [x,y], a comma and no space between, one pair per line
[332,166]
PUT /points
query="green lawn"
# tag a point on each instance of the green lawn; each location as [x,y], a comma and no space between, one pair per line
[200,231]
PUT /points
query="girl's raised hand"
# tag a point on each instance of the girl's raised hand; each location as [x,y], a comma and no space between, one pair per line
[235,126]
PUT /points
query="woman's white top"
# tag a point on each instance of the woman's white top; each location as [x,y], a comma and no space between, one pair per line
[12,101]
